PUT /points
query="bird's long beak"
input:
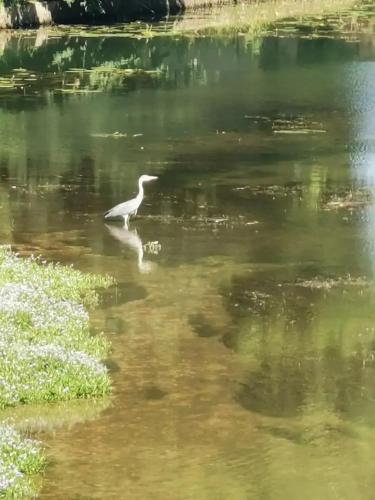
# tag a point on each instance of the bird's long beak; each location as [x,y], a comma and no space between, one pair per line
[153,177]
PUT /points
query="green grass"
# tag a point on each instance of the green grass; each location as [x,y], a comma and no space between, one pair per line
[47,352]
[251,18]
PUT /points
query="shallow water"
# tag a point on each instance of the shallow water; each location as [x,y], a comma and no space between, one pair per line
[243,340]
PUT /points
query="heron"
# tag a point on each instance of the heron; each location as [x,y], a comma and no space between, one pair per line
[128,208]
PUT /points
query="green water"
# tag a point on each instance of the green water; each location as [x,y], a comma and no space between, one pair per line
[244,340]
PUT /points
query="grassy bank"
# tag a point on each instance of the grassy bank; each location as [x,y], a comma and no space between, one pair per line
[252,17]
[46,350]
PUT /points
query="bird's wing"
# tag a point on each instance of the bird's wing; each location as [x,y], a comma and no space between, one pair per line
[121,209]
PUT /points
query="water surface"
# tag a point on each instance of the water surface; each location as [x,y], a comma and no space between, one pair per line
[243,340]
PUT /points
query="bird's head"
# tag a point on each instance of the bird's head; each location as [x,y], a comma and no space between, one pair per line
[147,178]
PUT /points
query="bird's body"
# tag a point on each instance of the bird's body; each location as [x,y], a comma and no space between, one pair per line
[128,208]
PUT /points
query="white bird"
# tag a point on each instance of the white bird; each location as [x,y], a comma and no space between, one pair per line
[128,208]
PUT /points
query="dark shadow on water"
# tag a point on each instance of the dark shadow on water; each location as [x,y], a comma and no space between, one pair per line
[122,293]
[112,366]
[154,393]
[202,327]
[115,325]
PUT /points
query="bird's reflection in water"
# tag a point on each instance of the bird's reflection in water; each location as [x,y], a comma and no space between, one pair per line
[133,241]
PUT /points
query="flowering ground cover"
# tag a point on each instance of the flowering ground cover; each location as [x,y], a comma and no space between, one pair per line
[47,352]
[20,459]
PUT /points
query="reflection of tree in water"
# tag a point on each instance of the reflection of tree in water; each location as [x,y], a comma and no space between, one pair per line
[282,386]
[305,347]
[4,170]
[83,175]
[5,209]
[181,61]
[78,185]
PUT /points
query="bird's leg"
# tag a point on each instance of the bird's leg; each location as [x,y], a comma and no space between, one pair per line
[126,217]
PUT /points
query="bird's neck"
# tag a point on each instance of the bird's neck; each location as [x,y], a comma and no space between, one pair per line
[140,190]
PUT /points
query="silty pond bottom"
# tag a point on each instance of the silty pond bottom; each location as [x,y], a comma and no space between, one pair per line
[243,323]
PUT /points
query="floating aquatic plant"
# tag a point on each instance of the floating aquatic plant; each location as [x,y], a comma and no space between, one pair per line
[348,199]
[109,75]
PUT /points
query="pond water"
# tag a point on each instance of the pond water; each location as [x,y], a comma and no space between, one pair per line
[243,323]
